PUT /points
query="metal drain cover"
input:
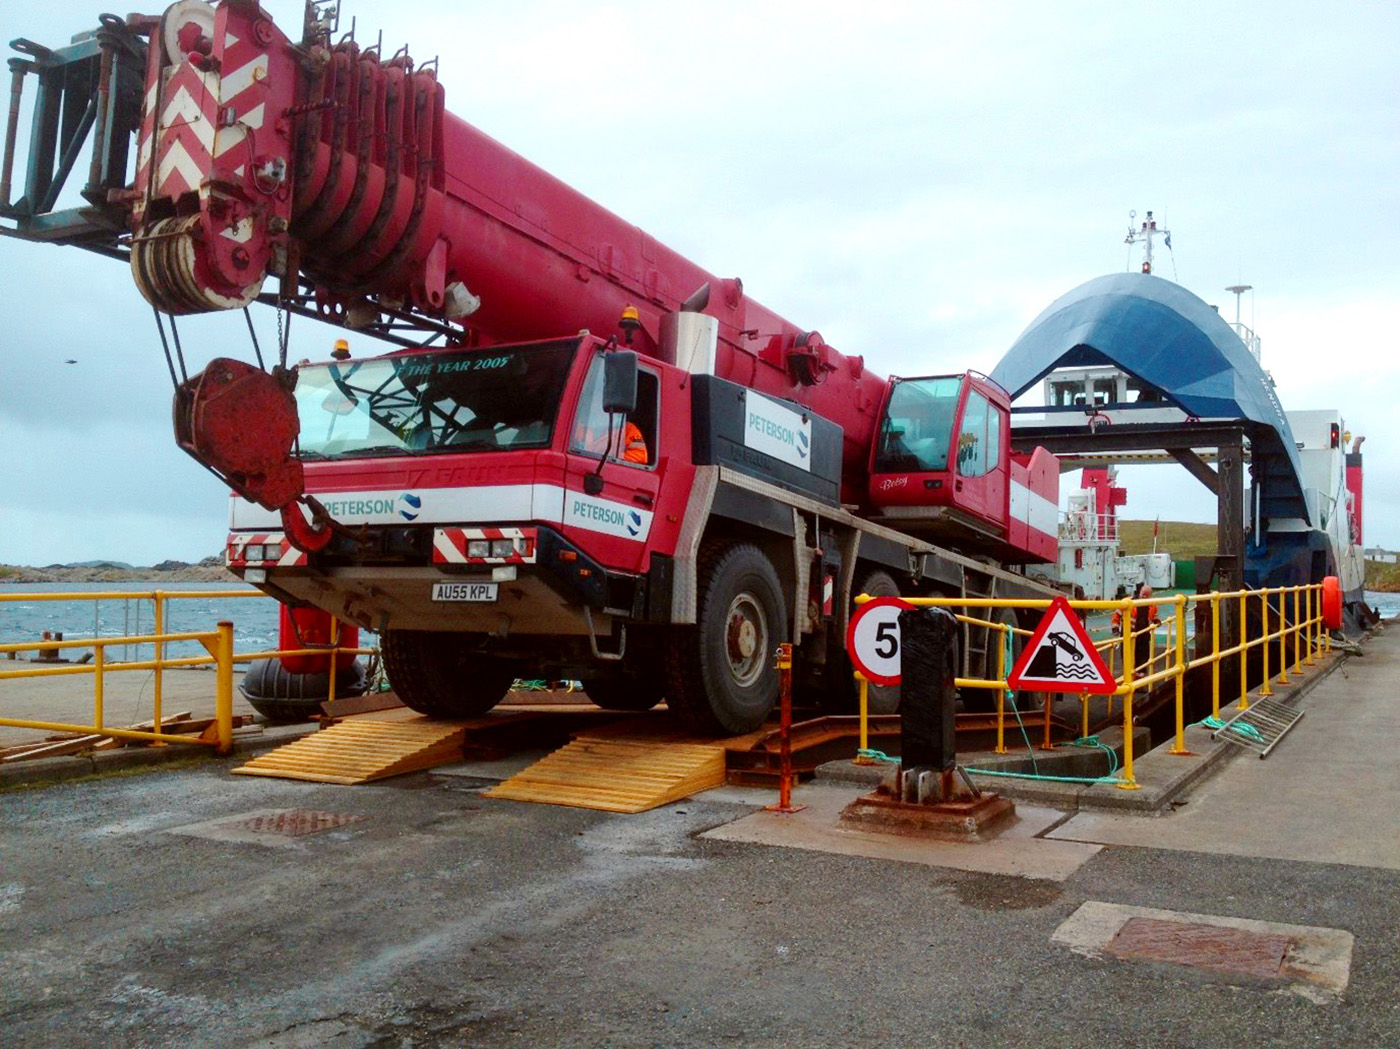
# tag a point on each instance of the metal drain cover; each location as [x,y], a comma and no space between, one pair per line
[277,827]
[1216,948]
[294,822]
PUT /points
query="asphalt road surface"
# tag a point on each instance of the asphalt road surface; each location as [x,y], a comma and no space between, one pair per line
[440,917]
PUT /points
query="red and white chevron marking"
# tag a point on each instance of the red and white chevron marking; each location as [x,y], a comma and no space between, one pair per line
[450,546]
[189,114]
[243,92]
[287,556]
[828,595]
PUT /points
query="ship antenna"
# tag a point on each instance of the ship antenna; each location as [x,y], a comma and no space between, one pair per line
[1145,233]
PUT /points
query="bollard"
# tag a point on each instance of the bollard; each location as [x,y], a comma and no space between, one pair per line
[783,661]
[927,723]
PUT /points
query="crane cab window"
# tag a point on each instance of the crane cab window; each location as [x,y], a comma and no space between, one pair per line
[972,436]
[918,423]
[633,437]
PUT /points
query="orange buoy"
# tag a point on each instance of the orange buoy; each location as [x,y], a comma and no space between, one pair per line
[1332,603]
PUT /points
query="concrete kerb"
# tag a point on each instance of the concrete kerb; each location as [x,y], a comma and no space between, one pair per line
[1164,777]
[47,771]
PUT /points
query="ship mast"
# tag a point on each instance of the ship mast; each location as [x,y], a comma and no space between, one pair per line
[1145,234]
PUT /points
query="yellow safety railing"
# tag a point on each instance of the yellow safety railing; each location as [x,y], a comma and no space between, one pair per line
[1290,631]
[218,643]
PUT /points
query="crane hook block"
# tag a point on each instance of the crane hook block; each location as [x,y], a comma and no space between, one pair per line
[241,423]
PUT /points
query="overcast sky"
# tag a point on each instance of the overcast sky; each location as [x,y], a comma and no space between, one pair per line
[916,181]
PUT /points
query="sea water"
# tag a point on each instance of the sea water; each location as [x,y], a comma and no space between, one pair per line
[132,612]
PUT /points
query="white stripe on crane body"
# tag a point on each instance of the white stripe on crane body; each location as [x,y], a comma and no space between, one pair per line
[1039,513]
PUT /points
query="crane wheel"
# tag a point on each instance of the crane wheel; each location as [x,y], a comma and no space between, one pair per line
[433,674]
[720,675]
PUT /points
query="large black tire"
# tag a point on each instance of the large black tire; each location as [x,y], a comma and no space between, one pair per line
[842,694]
[624,692]
[433,674]
[720,677]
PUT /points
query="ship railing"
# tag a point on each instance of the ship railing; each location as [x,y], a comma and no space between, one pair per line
[219,654]
[1287,637]
[1082,526]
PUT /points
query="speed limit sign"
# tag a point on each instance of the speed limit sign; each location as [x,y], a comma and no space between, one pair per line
[872,639]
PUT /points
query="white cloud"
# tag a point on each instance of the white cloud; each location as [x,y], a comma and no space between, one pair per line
[916,181]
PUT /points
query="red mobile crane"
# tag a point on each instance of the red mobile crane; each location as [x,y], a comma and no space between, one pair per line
[472,501]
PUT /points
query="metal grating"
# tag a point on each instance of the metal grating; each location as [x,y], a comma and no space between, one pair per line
[1216,948]
[293,823]
[1259,727]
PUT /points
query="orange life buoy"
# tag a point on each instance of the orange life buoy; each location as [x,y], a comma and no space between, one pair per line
[1332,603]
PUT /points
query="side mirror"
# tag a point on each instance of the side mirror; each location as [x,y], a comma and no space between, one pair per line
[620,382]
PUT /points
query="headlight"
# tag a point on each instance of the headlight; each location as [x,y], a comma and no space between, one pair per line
[502,547]
[479,548]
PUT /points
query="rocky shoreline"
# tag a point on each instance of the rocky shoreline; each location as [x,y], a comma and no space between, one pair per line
[174,572]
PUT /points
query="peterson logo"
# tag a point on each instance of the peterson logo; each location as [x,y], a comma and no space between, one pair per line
[804,444]
[634,522]
[409,505]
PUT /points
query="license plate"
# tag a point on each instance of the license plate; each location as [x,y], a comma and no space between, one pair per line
[464,591]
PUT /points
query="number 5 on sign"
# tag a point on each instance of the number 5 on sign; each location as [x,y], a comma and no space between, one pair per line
[872,639]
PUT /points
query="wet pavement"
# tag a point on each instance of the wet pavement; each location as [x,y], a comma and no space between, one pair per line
[188,906]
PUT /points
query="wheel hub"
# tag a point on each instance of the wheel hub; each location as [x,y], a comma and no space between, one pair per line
[746,638]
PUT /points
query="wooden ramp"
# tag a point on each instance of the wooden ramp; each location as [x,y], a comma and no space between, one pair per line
[617,775]
[363,749]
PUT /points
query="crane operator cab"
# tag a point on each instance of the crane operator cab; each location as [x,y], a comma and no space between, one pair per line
[941,462]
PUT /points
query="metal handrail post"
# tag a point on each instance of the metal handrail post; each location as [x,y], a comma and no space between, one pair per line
[335,658]
[1215,654]
[1264,689]
[1281,636]
[1244,651]
[223,687]
[1001,692]
[1179,747]
[156,695]
[1297,630]
[864,690]
[99,661]
[1306,595]
[1128,782]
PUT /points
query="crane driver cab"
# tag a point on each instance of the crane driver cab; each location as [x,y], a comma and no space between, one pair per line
[941,459]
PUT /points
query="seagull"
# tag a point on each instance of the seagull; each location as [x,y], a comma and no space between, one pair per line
[70,361]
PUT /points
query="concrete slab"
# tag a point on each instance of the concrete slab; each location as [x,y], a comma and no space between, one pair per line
[1330,792]
[1316,963]
[1015,851]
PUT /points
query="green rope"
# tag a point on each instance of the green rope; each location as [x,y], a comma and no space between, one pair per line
[1212,722]
[878,755]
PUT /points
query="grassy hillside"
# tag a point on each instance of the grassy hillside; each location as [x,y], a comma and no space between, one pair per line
[1382,577]
[1181,539]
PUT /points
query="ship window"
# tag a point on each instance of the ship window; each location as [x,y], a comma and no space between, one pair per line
[1066,394]
[1104,392]
[917,425]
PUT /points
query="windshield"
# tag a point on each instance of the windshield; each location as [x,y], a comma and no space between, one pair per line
[917,425]
[451,400]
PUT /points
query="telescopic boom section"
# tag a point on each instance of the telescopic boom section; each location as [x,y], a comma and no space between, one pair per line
[331,164]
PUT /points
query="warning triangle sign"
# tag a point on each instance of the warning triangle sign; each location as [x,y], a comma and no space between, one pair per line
[1060,657]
